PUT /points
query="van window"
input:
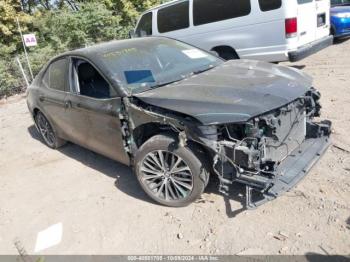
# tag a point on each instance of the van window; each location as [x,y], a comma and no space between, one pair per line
[208,11]
[174,17]
[144,27]
[269,5]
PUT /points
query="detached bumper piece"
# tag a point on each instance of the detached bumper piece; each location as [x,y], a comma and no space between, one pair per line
[310,49]
[290,172]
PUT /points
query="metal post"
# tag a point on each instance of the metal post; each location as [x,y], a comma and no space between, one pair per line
[25,49]
[23,73]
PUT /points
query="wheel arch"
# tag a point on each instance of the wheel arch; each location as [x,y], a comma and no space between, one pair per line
[56,129]
[333,30]
[35,111]
[226,52]
[144,132]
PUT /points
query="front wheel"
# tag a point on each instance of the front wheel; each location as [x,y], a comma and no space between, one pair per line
[171,175]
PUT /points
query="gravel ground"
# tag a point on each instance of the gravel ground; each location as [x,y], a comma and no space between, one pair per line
[102,209]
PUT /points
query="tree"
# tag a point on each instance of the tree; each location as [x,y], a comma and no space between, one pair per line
[64,29]
[10,39]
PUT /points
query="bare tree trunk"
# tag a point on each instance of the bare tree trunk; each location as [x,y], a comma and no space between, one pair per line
[73,5]
[45,4]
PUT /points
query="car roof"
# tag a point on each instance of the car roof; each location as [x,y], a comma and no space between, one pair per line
[95,50]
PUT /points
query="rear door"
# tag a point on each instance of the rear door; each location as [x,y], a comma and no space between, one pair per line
[323,18]
[307,21]
[51,98]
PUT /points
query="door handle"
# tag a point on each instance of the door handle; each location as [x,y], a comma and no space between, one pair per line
[67,104]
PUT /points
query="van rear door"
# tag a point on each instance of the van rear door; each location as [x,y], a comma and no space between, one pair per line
[307,21]
[323,18]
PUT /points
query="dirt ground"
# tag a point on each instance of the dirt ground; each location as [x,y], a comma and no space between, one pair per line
[103,210]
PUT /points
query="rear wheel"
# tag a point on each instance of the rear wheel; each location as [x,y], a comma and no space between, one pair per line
[47,132]
[171,175]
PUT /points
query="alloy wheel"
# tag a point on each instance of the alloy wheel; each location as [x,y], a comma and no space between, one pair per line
[46,130]
[166,175]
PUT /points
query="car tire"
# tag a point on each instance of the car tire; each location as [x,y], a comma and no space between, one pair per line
[178,190]
[46,131]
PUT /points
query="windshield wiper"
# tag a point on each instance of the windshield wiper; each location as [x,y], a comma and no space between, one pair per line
[203,70]
[166,83]
[182,77]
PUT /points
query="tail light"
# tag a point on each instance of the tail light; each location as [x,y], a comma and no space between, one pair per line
[291,27]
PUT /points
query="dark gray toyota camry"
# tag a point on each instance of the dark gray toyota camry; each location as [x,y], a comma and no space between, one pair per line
[177,114]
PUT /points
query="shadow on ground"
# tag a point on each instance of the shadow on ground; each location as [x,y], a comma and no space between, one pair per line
[314,257]
[339,41]
[236,193]
[124,178]
[126,181]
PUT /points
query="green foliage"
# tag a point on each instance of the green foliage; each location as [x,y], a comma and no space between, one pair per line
[11,81]
[65,29]
[10,40]
[59,27]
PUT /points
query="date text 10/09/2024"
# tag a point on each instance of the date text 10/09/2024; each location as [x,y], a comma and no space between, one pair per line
[173,258]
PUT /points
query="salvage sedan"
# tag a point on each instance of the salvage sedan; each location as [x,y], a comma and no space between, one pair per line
[177,114]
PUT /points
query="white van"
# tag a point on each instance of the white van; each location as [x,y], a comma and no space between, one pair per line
[268,30]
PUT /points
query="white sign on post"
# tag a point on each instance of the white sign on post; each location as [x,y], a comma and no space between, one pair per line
[30,40]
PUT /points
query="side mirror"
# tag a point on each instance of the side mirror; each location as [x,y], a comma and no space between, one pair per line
[132,33]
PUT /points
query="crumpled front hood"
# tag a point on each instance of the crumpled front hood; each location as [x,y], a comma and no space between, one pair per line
[235,91]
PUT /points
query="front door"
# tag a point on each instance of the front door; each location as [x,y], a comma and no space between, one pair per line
[92,108]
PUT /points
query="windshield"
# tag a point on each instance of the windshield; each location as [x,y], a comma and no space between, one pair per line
[340,2]
[145,65]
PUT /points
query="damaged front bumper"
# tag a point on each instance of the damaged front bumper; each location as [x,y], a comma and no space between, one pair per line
[262,185]
[290,172]
[274,153]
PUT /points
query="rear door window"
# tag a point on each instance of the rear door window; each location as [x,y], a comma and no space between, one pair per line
[209,11]
[144,27]
[174,17]
[269,5]
[56,76]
